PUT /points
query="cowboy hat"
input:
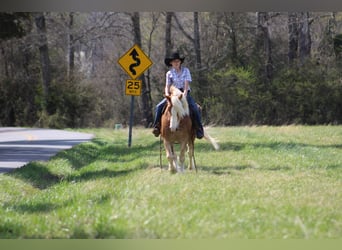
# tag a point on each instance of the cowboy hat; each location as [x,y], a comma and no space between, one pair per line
[174,56]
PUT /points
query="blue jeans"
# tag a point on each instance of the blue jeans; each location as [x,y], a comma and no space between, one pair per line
[193,110]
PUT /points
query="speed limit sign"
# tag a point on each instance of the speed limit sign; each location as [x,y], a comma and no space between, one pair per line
[133,87]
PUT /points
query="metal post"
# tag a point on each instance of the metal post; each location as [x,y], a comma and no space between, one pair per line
[131,122]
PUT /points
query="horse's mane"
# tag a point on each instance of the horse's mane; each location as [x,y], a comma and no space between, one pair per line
[180,107]
[179,102]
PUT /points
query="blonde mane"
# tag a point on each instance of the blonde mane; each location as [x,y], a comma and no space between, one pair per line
[180,107]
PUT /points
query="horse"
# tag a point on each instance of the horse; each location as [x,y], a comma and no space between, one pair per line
[177,127]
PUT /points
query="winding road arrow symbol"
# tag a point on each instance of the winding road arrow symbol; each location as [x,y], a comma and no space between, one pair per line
[134,55]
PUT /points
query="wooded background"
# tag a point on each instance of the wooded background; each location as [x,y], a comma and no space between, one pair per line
[59,69]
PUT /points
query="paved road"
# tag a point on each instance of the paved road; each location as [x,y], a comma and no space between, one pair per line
[18,146]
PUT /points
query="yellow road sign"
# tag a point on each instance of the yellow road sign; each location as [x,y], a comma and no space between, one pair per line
[135,62]
[133,87]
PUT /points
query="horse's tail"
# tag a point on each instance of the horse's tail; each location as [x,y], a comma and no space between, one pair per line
[211,140]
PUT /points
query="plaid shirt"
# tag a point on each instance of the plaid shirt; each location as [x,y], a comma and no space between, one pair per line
[178,79]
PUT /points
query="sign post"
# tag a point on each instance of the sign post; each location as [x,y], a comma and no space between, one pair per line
[134,62]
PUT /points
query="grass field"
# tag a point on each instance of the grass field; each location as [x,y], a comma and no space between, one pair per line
[263,183]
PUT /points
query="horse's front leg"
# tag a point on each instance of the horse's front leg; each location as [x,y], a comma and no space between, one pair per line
[191,156]
[170,157]
[182,157]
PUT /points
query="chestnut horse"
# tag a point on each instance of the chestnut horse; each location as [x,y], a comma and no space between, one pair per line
[177,127]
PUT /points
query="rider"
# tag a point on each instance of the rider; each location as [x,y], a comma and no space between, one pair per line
[180,77]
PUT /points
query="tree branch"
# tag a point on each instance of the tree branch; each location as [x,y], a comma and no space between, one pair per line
[182,29]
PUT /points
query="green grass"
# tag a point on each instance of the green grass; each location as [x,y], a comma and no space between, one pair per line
[263,183]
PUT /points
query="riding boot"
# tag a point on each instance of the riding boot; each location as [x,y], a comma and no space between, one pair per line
[199,132]
[156,130]
[196,117]
[156,124]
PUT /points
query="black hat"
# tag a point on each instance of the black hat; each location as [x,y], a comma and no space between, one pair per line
[173,57]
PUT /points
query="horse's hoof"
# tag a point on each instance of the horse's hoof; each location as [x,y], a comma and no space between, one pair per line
[173,171]
[193,169]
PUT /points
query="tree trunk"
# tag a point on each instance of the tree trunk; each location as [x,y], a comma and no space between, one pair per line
[293,37]
[5,64]
[146,93]
[201,83]
[197,42]
[71,49]
[331,33]
[304,38]
[155,19]
[264,37]
[168,43]
[44,56]
[234,53]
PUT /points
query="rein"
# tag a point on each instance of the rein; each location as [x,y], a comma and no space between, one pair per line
[160,153]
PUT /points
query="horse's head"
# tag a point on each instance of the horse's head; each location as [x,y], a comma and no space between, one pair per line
[179,107]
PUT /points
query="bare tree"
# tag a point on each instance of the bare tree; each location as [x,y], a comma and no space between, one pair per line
[71,48]
[44,55]
[293,37]
[168,25]
[197,42]
[304,38]
[146,93]
[155,19]
[233,38]
[263,34]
